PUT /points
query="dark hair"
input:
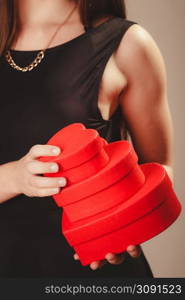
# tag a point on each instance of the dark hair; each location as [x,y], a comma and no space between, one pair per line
[90,10]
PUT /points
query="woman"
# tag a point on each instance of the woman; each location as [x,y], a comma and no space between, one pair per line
[95,67]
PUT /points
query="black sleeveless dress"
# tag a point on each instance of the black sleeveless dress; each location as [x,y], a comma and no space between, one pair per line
[63,89]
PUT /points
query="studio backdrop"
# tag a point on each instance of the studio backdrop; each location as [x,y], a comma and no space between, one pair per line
[165,20]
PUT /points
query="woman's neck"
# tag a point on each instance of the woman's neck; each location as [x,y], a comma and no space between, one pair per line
[41,12]
[39,19]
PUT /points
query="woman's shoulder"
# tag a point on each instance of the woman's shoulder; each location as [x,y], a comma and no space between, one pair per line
[138,49]
[135,35]
[137,45]
[137,38]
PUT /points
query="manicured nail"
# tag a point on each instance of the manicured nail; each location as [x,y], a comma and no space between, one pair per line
[110,256]
[62,181]
[94,266]
[54,167]
[56,151]
[131,248]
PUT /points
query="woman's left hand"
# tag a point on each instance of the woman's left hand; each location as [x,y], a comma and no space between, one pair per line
[115,259]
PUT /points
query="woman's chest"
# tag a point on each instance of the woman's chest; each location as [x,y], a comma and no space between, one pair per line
[36,104]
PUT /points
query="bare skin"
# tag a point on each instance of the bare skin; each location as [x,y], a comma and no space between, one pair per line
[138,82]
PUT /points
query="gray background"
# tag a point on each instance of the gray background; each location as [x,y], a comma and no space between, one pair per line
[165,21]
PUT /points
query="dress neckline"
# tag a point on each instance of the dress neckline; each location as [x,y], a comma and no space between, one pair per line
[79,37]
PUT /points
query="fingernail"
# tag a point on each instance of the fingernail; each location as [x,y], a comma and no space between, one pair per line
[62,181]
[54,167]
[56,151]
[131,248]
[94,267]
[110,256]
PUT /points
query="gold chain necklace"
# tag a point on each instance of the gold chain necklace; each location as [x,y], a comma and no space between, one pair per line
[40,54]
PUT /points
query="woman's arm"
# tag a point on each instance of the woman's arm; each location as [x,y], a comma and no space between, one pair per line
[145,108]
[144,100]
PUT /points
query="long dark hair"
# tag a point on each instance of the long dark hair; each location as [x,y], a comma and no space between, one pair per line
[90,10]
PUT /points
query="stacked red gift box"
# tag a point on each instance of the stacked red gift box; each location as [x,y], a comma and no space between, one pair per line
[110,201]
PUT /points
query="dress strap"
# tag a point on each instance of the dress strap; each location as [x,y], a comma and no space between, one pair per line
[105,39]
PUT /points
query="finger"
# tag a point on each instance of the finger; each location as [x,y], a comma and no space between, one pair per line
[47,182]
[43,150]
[134,251]
[98,264]
[95,265]
[47,192]
[115,259]
[37,167]
[76,257]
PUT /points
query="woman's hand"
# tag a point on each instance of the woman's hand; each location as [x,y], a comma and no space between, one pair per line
[26,173]
[115,259]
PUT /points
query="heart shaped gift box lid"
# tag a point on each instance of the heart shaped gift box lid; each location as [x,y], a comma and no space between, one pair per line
[82,153]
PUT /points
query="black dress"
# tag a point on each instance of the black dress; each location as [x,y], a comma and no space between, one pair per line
[63,89]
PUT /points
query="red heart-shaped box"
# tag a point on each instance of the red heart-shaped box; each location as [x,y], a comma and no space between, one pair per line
[82,153]
[110,200]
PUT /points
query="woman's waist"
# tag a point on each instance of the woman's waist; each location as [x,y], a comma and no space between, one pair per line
[23,206]
[26,217]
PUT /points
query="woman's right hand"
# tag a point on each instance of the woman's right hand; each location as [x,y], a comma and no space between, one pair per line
[26,173]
